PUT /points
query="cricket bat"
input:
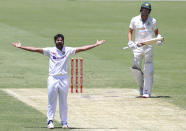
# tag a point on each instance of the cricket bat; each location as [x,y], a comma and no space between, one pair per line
[147,42]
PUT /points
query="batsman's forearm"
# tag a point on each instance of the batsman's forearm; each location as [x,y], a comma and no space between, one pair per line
[130,35]
[156,32]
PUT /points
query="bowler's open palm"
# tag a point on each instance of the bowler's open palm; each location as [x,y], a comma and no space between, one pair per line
[99,42]
[16,44]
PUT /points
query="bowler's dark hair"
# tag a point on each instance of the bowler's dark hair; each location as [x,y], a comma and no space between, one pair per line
[57,36]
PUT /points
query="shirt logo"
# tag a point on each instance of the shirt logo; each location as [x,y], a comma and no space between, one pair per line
[55,57]
[58,58]
[54,53]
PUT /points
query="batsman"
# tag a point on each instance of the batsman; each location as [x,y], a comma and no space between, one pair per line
[144,28]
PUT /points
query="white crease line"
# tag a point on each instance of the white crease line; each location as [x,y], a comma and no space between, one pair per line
[14,94]
[27,101]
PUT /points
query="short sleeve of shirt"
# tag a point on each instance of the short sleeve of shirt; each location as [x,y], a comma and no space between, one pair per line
[131,26]
[154,22]
[46,51]
[71,50]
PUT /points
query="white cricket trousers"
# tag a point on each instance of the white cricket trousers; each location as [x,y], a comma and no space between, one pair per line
[146,53]
[57,88]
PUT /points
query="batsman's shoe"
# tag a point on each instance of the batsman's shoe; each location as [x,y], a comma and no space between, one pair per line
[50,124]
[146,96]
[141,91]
[64,125]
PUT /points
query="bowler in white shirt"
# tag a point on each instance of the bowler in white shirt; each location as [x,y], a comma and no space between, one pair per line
[58,74]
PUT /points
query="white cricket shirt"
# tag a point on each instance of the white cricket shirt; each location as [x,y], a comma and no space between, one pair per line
[58,60]
[143,31]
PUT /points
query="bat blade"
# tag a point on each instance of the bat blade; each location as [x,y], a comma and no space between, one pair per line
[148,42]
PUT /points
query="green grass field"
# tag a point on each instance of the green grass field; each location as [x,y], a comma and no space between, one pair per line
[34,23]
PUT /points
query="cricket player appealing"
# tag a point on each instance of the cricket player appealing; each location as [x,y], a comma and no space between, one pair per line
[144,28]
[58,74]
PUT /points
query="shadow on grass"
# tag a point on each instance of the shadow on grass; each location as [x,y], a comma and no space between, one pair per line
[75,128]
[155,97]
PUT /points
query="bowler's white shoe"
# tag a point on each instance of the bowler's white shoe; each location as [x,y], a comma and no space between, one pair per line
[50,124]
[146,96]
[64,124]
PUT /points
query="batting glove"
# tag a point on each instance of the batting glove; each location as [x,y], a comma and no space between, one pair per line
[159,42]
[132,45]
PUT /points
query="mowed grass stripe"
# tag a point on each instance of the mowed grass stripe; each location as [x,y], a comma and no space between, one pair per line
[17,116]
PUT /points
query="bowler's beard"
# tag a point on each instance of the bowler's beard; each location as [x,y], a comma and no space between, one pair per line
[59,46]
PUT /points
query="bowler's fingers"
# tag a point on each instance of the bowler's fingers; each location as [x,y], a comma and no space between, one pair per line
[16,44]
[100,41]
[103,41]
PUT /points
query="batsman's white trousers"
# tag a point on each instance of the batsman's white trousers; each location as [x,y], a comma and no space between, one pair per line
[57,86]
[146,53]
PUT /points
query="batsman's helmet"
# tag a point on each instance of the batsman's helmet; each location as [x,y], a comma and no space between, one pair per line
[146,5]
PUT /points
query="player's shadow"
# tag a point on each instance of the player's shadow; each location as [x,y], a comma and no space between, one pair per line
[155,97]
[78,128]
[86,128]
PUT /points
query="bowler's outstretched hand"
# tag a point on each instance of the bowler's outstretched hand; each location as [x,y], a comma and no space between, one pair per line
[16,44]
[87,47]
[99,42]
